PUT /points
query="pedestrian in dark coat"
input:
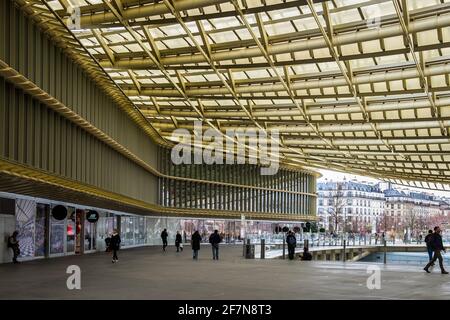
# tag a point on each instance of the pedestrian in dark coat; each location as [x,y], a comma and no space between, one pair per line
[114,245]
[291,243]
[178,242]
[215,239]
[195,242]
[438,246]
[164,236]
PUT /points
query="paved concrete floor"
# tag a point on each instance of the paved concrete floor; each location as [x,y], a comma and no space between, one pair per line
[148,273]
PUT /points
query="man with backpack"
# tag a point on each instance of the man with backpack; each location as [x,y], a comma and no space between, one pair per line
[428,240]
[13,243]
[292,243]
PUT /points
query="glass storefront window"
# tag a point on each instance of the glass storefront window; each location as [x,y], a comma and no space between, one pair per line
[87,236]
[141,234]
[25,225]
[70,230]
[57,235]
[189,227]
[154,228]
[79,214]
[105,226]
[90,235]
[128,230]
[42,211]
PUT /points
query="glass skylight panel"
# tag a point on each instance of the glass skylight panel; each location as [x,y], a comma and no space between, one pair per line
[346,16]
[120,49]
[172,30]
[244,34]
[417,4]
[279,28]
[55,5]
[223,37]
[134,48]
[371,60]
[221,23]
[175,43]
[284,13]
[113,37]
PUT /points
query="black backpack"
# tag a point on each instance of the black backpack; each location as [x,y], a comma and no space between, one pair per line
[291,240]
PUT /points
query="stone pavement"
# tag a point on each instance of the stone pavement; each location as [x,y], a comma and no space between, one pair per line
[149,273]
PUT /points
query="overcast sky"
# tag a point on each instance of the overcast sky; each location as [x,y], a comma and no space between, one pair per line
[338,176]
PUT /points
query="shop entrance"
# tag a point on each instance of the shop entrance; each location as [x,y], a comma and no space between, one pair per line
[79,221]
[85,235]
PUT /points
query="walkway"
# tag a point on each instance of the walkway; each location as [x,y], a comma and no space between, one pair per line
[148,273]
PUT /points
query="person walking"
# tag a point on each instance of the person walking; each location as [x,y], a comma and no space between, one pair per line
[114,245]
[195,243]
[13,243]
[437,246]
[215,239]
[164,236]
[428,240]
[292,243]
[178,242]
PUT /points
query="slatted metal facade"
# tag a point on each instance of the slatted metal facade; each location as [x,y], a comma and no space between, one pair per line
[236,187]
[31,133]
[50,139]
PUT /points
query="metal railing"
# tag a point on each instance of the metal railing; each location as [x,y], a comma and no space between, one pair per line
[264,246]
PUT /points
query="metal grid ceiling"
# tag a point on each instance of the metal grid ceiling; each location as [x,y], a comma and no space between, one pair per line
[355,86]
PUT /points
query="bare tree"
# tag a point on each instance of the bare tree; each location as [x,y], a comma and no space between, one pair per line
[421,224]
[436,220]
[411,218]
[336,207]
[384,222]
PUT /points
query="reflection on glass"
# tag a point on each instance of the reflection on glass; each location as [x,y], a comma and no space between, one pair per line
[56,235]
[78,217]
[129,231]
[70,230]
[25,220]
[89,236]
[39,240]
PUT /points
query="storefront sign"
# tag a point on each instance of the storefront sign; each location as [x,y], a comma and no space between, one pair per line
[92,216]
[59,212]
